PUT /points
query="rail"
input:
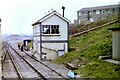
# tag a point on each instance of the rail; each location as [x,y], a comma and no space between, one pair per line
[15,66]
[43,77]
[5,52]
[47,66]
[63,76]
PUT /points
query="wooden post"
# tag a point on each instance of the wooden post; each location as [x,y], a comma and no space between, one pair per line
[40,42]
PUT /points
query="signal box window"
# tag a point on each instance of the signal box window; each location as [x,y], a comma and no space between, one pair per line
[54,29]
[46,29]
[50,29]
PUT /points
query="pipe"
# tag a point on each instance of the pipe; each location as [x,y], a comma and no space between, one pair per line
[63,10]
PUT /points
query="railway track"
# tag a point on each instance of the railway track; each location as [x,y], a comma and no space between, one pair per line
[8,70]
[16,68]
[43,71]
[4,50]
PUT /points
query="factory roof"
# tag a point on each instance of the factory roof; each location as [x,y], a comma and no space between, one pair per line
[98,8]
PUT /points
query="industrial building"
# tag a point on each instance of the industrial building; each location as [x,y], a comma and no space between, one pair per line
[91,14]
[50,36]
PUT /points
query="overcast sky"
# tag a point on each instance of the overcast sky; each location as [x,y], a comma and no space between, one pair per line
[18,15]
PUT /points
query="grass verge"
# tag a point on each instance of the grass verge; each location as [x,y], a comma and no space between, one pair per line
[88,48]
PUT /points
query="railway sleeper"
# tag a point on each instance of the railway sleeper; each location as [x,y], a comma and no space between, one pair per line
[71,66]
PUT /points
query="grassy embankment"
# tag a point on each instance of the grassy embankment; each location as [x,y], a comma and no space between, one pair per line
[88,48]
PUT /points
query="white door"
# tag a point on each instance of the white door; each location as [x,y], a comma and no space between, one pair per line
[37,47]
[60,52]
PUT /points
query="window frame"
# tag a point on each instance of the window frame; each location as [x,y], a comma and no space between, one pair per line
[98,12]
[103,11]
[51,32]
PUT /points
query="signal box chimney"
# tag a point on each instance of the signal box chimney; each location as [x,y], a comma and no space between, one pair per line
[63,10]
